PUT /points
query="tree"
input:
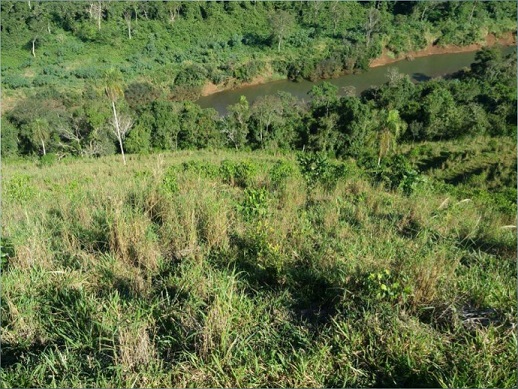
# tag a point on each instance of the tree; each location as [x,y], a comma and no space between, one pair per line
[282,24]
[114,90]
[40,132]
[372,24]
[127,19]
[167,124]
[267,111]
[391,127]
[9,138]
[96,12]
[37,24]
[236,123]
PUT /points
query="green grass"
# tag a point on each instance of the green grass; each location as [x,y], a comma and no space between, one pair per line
[174,271]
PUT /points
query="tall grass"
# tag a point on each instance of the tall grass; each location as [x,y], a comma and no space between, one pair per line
[168,273]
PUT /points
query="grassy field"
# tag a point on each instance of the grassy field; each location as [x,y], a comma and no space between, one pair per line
[222,269]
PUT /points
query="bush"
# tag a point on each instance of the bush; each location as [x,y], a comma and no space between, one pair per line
[240,174]
[15,81]
[48,160]
[279,174]
[202,169]
[398,173]
[20,189]
[255,204]
[316,169]
[169,184]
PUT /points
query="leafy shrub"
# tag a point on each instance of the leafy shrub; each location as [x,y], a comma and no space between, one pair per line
[316,169]
[20,189]
[266,256]
[240,174]
[279,173]
[248,71]
[202,169]
[397,172]
[255,203]
[194,75]
[48,159]
[87,73]
[15,81]
[169,184]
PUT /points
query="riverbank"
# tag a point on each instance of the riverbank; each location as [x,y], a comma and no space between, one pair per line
[386,58]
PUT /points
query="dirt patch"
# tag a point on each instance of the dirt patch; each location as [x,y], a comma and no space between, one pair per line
[210,88]
[508,39]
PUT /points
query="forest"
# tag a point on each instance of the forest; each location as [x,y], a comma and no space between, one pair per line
[350,240]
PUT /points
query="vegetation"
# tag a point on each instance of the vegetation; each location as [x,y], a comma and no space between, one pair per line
[349,241]
[222,269]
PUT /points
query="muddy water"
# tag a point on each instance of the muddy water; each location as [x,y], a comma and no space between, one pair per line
[420,69]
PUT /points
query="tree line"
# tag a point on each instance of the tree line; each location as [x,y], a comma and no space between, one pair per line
[182,46]
[135,118]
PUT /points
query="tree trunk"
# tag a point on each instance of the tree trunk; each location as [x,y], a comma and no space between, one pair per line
[119,135]
[129,28]
[279,46]
[33,48]
[99,15]
[43,145]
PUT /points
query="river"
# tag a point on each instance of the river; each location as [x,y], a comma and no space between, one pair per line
[420,69]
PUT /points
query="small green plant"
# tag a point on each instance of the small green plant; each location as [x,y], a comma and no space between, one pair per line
[240,174]
[398,173]
[20,189]
[202,169]
[316,169]
[6,252]
[48,160]
[279,174]
[267,255]
[169,183]
[255,203]
[383,286]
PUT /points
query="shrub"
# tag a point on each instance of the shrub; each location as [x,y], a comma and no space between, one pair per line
[255,204]
[48,160]
[15,81]
[397,172]
[240,174]
[316,169]
[279,173]
[20,189]
[169,184]
[202,169]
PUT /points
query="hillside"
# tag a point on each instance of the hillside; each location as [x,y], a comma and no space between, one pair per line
[248,269]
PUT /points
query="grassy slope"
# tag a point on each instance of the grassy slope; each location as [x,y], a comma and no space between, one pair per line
[146,276]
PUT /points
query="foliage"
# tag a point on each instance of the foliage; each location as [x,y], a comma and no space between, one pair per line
[384,286]
[316,169]
[140,276]
[398,173]
[279,174]
[19,189]
[240,173]
[255,203]
[169,184]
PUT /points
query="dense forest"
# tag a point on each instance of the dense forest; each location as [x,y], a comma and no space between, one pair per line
[351,240]
[60,59]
